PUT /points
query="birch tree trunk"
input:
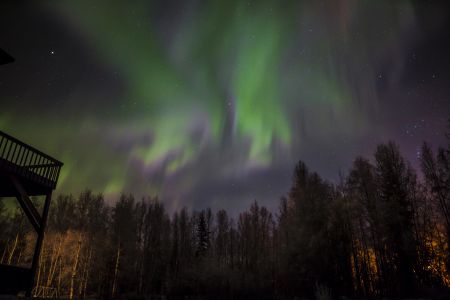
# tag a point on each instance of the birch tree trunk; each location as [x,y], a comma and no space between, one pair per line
[74,269]
[116,271]
[4,252]
[11,254]
[59,278]
[54,262]
[86,274]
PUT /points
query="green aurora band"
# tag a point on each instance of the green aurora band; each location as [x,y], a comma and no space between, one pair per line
[246,81]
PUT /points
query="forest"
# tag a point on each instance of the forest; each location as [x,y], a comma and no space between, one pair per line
[383,230]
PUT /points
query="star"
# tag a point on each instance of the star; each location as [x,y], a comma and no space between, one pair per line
[52,52]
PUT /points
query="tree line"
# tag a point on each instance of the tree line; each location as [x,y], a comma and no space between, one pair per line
[382,231]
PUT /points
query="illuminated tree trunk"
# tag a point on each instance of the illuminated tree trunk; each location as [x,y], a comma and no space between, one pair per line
[116,271]
[4,252]
[11,254]
[74,269]
[59,277]
[86,274]
[54,262]
[20,257]
[39,270]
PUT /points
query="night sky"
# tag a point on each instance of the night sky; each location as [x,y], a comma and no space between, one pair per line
[211,103]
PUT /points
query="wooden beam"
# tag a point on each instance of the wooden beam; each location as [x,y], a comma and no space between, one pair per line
[26,204]
[39,241]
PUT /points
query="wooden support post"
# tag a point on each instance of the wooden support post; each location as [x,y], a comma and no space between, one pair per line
[39,222]
[40,239]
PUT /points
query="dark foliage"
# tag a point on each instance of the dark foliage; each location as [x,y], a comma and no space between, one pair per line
[381,232]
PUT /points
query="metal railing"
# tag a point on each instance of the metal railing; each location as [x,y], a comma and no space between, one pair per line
[26,161]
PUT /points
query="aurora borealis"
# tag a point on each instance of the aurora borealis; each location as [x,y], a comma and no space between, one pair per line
[211,103]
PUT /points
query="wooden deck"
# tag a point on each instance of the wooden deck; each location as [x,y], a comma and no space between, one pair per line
[24,172]
[37,171]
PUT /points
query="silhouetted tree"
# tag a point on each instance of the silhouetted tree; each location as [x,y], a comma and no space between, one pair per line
[382,231]
[394,177]
[203,233]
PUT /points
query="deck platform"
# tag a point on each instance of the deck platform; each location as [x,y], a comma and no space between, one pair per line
[24,172]
[37,171]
